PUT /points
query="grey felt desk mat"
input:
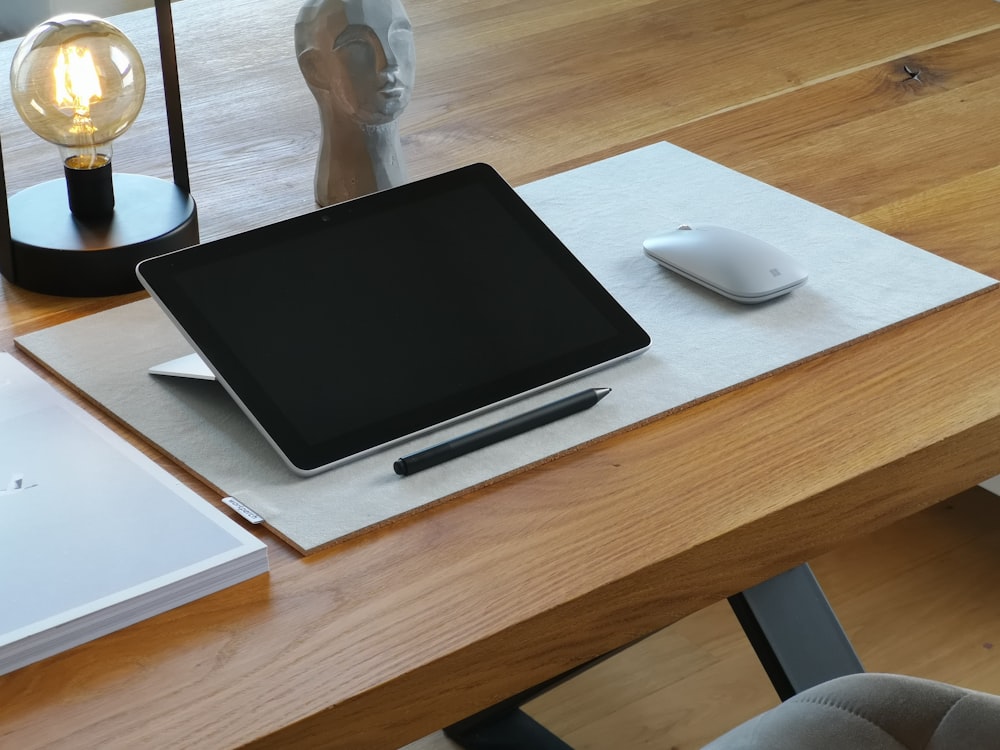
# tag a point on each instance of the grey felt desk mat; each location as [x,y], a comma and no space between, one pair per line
[860,281]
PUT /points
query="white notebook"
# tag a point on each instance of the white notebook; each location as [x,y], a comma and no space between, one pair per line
[94,536]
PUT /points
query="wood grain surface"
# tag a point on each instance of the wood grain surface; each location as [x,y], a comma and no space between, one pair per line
[379,641]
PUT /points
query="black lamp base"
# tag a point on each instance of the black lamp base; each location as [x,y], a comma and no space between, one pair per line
[53,252]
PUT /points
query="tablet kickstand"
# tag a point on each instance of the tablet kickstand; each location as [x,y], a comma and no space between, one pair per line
[188,366]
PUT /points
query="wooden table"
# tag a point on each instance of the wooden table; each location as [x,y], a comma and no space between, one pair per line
[887,112]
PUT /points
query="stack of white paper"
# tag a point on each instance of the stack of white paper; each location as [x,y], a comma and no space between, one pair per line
[94,536]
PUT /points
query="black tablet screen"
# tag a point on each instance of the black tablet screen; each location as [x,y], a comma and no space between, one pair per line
[362,323]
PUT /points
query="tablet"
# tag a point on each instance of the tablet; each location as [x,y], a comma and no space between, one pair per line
[358,325]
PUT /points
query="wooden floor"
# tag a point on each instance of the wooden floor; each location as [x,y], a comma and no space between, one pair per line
[920,598]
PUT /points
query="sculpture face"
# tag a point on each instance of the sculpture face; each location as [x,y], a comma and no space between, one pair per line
[359,56]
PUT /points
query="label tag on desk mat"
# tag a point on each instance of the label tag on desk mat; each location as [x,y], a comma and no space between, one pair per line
[243,510]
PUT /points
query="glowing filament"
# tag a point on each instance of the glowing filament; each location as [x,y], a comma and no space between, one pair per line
[77,85]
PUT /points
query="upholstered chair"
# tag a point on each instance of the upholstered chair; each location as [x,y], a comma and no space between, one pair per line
[871,711]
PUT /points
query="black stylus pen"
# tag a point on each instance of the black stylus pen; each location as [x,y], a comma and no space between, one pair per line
[473,441]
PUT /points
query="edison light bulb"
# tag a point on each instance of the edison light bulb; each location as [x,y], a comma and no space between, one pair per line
[78,82]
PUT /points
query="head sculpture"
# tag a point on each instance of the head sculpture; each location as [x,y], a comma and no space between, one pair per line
[357,57]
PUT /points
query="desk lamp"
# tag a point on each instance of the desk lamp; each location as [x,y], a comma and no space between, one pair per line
[78,82]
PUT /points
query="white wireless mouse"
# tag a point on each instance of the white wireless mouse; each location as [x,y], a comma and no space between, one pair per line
[731,263]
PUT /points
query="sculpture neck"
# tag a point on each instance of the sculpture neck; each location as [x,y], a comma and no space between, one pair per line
[355,160]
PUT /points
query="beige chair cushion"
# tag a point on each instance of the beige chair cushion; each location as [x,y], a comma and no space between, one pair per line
[874,712]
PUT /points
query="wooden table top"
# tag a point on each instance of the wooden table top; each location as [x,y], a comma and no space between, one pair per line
[886,112]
